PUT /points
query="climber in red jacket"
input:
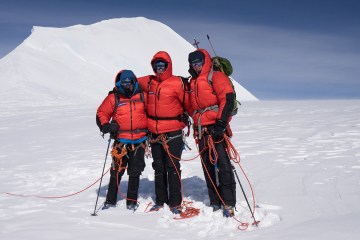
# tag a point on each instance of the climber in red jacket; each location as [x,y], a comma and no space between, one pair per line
[212,104]
[125,107]
[167,99]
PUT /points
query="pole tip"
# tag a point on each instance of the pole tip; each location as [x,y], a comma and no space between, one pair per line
[256,223]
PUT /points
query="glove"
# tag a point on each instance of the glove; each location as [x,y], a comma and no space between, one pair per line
[219,129]
[111,128]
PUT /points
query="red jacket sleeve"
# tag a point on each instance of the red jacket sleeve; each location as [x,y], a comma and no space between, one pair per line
[225,94]
[144,83]
[106,110]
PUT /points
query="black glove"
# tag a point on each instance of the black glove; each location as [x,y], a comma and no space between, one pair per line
[219,129]
[111,128]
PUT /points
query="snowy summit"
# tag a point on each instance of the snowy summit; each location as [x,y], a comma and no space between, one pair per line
[79,63]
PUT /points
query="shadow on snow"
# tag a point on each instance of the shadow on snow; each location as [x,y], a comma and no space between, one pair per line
[194,188]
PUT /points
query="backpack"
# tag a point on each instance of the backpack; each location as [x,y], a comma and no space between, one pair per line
[223,65]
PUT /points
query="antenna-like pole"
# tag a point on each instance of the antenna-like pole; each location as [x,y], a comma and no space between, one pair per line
[196,43]
[208,37]
[215,59]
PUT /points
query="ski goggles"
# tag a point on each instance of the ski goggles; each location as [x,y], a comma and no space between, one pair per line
[160,65]
[197,63]
[126,82]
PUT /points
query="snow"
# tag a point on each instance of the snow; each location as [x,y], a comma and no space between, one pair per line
[79,63]
[302,158]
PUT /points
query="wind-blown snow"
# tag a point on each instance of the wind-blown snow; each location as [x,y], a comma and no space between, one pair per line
[303,159]
[79,63]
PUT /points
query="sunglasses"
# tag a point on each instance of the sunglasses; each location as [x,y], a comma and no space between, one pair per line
[197,63]
[160,65]
[125,82]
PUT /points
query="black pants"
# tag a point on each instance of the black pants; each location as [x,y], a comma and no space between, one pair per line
[134,159]
[227,186]
[167,180]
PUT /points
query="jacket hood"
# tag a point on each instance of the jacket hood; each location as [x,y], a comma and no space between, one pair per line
[168,71]
[128,73]
[207,63]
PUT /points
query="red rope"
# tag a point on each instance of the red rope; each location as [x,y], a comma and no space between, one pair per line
[245,225]
[235,157]
[51,197]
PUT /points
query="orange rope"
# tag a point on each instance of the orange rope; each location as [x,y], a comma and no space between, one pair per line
[115,153]
[213,155]
[231,150]
[189,211]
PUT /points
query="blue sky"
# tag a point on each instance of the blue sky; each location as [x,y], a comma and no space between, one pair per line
[280,49]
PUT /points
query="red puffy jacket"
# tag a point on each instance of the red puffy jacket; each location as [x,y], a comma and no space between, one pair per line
[130,114]
[203,95]
[166,98]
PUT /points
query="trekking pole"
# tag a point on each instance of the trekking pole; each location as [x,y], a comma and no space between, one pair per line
[102,174]
[242,189]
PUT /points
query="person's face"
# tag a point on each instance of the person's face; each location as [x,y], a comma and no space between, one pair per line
[128,84]
[197,65]
[160,66]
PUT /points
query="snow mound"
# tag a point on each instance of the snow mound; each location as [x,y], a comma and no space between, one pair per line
[78,63]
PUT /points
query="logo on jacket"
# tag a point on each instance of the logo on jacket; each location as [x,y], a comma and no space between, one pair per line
[121,104]
[151,92]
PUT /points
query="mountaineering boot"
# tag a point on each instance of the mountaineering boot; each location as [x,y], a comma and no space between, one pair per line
[108,205]
[176,210]
[228,211]
[156,208]
[215,207]
[132,206]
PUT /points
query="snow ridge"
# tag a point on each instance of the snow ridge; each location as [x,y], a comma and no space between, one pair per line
[78,63]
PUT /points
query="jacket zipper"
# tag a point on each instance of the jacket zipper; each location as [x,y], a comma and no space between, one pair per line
[196,93]
[158,93]
[131,121]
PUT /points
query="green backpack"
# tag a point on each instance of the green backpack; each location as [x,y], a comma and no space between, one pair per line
[224,65]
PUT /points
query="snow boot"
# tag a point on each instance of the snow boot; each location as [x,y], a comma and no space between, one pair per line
[228,211]
[176,210]
[108,205]
[156,208]
[132,206]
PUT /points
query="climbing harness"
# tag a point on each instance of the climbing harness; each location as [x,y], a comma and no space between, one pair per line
[201,112]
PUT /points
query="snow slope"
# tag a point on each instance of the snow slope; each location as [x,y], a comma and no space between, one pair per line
[79,63]
[303,159]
